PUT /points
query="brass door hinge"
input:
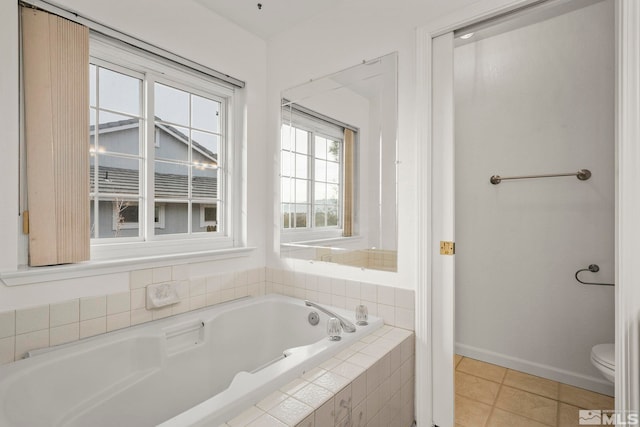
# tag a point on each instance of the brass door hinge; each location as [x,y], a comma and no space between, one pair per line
[447,248]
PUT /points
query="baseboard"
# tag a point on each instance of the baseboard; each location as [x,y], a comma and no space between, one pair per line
[567,377]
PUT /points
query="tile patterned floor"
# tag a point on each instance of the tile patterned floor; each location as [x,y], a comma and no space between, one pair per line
[492,396]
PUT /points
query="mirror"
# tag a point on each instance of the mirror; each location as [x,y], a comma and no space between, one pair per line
[338,167]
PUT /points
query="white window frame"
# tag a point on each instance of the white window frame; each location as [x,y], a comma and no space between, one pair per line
[316,127]
[119,57]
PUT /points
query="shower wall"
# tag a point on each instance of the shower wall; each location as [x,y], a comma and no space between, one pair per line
[533,100]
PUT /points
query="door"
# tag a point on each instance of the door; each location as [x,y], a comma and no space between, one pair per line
[442,226]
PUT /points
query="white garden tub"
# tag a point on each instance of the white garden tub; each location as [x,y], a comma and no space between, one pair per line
[197,369]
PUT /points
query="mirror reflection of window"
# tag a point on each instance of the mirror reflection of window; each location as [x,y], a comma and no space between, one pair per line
[312,165]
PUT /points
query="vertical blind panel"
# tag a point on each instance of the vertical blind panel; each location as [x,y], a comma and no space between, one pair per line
[56,92]
[349,141]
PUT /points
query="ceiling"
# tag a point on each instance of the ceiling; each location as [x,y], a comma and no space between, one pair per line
[275,15]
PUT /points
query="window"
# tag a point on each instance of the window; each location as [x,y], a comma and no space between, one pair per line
[159,148]
[312,154]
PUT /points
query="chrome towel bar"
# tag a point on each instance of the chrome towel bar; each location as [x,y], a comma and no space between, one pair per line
[594,269]
[582,175]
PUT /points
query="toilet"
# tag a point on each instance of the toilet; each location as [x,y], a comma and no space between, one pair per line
[603,358]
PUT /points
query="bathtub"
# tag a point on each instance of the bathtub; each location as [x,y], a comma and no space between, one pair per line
[200,368]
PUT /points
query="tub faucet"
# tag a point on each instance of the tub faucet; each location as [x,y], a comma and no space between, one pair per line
[346,325]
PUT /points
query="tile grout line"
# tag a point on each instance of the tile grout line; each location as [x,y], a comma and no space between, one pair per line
[493,406]
[558,411]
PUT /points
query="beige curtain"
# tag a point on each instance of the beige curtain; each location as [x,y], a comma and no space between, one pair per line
[55,55]
[349,148]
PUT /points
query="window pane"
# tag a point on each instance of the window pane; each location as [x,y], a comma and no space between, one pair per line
[301,190]
[285,163]
[171,180]
[321,148]
[118,217]
[128,212]
[302,141]
[171,105]
[286,190]
[321,170]
[205,114]
[92,172]
[117,134]
[333,191]
[204,182]
[333,172]
[210,213]
[321,218]
[204,218]
[92,120]
[301,212]
[286,137]
[333,153]
[286,216]
[302,166]
[321,192]
[119,92]
[332,215]
[117,175]
[173,218]
[92,85]
[172,142]
[205,147]
[92,218]
[125,218]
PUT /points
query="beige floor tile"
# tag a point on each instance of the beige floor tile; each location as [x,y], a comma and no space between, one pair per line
[568,416]
[476,388]
[584,398]
[528,405]
[482,369]
[470,413]
[500,418]
[456,359]
[533,384]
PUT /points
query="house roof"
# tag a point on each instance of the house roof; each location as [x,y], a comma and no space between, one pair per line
[165,127]
[167,186]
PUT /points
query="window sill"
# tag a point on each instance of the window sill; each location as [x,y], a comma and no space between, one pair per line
[304,235]
[322,242]
[33,275]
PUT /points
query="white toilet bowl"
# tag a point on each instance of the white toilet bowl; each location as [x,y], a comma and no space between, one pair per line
[603,358]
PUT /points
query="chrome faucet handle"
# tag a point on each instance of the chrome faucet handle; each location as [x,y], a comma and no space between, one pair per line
[334,329]
[362,315]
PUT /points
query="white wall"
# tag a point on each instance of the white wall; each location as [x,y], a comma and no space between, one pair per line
[538,99]
[185,28]
[356,31]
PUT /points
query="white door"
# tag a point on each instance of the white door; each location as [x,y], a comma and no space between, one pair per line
[442,226]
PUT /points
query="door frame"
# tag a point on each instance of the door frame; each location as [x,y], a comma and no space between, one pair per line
[627,205]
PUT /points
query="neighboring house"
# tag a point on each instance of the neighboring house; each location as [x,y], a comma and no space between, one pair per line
[118,178]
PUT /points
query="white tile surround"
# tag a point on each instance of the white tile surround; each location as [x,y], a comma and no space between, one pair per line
[369,384]
[48,325]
